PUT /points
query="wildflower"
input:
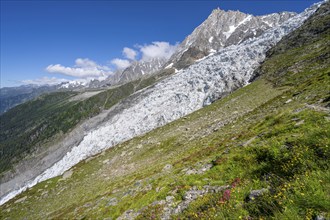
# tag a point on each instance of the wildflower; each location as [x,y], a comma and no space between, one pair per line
[235,182]
[226,195]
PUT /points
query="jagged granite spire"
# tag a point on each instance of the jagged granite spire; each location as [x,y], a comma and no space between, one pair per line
[222,29]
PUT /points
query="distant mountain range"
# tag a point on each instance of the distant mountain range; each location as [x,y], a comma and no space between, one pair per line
[12,96]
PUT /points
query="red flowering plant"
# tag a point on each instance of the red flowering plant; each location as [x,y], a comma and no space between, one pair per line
[226,194]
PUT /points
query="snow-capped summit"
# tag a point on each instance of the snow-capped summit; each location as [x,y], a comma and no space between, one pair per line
[222,29]
[73,84]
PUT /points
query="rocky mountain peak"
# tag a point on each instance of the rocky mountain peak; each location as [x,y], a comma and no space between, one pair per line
[222,29]
[141,68]
[215,13]
[136,70]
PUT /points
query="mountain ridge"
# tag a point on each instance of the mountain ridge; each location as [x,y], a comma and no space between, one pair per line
[222,29]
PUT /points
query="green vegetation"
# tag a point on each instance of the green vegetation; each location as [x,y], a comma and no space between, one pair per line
[23,126]
[40,122]
[266,145]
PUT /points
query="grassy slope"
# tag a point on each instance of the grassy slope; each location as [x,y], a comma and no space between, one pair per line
[275,135]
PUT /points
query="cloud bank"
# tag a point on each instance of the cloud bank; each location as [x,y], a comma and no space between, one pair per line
[157,49]
[129,53]
[44,81]
[120,63]
[83,68]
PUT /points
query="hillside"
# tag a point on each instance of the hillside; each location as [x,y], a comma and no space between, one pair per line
[260,152]
[12,96]
[44,147]
[45,125]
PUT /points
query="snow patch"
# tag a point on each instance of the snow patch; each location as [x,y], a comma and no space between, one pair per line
[73,84]
[269,24]
[212,52]
[232,28]
[169,66]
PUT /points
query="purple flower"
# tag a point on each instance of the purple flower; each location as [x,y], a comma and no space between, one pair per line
[226,195]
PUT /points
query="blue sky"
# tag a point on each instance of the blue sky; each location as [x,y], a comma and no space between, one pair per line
[91,34]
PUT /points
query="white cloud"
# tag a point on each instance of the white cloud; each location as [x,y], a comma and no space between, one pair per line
[80,62]
[120,63]
[44,81]
[129,53]
[83,68]
[157,49]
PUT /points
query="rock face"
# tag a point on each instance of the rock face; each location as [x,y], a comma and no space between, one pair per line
[67,174]
[189,90]
[136,70]
[256,193]
[222,29]
[170,207]
[141,68]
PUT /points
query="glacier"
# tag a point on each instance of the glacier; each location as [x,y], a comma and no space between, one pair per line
[185,92]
